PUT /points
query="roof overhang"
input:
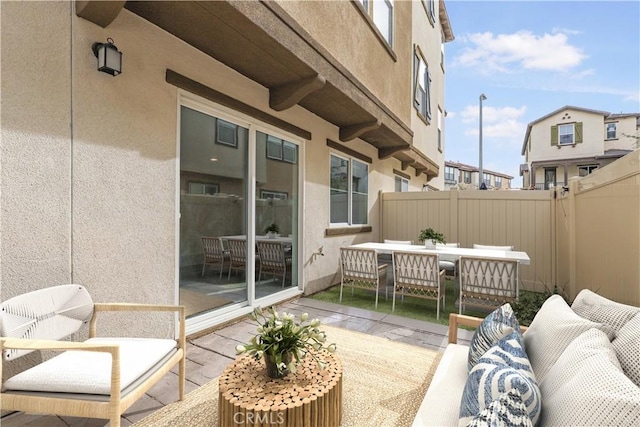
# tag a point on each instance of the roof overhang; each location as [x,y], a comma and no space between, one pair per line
[262,42]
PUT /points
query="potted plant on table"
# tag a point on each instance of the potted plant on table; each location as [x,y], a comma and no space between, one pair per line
[272,230]
[430,237]
[283,342]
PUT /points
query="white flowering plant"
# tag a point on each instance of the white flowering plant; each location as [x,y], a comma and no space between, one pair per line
[284,340]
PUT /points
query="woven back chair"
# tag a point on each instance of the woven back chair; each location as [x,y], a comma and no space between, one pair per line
[360,269]
[418,275]
[214,253]
[237,255]
[487,283]
[450,267]
[273,259]
[96,378]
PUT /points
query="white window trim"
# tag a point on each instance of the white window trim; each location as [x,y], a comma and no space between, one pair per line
[349,222]
[573,134]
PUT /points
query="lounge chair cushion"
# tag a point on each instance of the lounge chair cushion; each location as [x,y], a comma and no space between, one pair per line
[504,367]
[587,387]
[552,330]
[599,309]
[626,345]
[507,410]
[90,372]
[497,325]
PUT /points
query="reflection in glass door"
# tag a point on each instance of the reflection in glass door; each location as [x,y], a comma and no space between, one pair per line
[276,220]
[213,211]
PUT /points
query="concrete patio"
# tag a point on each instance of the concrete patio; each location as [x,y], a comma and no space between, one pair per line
[209,354]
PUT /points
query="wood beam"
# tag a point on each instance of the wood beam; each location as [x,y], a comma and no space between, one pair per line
[385,153]
[288,95]
[347,133]
[101,13]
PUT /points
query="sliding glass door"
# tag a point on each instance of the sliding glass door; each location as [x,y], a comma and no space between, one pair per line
[239,204]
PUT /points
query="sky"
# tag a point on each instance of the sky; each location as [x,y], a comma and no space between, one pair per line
[531,58]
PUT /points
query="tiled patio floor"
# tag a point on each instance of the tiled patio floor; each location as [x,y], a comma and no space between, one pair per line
[208,355]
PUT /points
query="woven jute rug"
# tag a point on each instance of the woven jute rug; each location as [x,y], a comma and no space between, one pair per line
[384,383]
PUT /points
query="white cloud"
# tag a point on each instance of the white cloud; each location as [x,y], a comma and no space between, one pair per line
[503,125]
[520,50]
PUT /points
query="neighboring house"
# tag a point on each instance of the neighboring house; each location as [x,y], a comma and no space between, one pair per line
[467,177]
[227,117]
[574,141]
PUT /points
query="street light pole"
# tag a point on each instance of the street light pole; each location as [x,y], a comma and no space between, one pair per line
[483,97]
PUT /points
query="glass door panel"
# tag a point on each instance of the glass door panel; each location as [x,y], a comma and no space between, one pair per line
[213,211]
[276,217]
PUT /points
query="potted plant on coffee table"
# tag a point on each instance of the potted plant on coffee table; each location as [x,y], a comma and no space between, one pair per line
[430,237]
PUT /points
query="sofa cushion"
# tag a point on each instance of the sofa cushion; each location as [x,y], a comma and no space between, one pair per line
[627,347]
[587,387]
[497,325]
[552,329]
[90,372]
[507,410]
[599,309]
[441,403]
[504,367]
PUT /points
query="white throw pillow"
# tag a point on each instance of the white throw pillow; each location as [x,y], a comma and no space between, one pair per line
[599,309]
[587,387]
[552,329]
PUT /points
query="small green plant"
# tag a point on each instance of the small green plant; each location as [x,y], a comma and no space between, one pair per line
[272,228]
[530,302]
[431,234]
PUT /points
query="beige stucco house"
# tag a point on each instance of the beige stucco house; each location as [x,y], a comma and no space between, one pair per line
[466,177]
[574,141]
[227,117]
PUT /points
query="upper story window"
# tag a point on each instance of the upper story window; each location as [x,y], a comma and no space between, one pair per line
[611,130]
[449,174]
[430,5]
[439,129]
[498,181]
[421,86]
[279,149]
[349,199]
[381,13]
[442,51]
[486,179]
[402,184]
[566,134]
[467,177]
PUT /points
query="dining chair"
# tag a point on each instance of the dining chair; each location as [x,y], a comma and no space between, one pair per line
[237,255]
[487,283]
[493,247]
[387,258]
[274,259]
[418,275]
[450,267]
[360,269]
[214,253]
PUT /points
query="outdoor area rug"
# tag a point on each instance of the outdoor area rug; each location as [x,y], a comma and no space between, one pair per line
[384,383]
[197,302]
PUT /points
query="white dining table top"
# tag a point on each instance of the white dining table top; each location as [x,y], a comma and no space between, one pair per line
[265,238]
[447,253]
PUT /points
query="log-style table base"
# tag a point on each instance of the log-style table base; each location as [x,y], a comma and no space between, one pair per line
[310,397]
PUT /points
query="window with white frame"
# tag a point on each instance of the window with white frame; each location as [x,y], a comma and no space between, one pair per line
[383,18]
[467,177]
[402,184]
[611,131]
[486,179]
[498,181]
[442,50]
[449,175]
[584,170]
[279,149]
[421,86]
[349,191]
[430,6]
[566,134]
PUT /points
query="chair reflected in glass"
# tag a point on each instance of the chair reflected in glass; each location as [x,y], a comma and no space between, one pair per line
[214,253]
[274,259]
[237,255]
[418,275]
[487,283]
[360,269]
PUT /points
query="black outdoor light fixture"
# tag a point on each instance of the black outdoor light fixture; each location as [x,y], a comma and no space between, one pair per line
[109,57]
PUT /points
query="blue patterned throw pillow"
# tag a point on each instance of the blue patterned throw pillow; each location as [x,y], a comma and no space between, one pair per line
[507,411]
[503,368]
[497,325]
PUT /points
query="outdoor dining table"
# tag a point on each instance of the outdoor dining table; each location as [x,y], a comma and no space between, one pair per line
[448,253]
[287,240]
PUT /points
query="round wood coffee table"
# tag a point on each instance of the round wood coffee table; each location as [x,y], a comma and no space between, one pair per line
[310,397]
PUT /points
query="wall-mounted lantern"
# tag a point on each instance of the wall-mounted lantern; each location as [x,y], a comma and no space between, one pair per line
[109,57]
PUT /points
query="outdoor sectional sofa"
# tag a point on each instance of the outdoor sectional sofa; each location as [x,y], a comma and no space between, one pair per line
[585,359]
